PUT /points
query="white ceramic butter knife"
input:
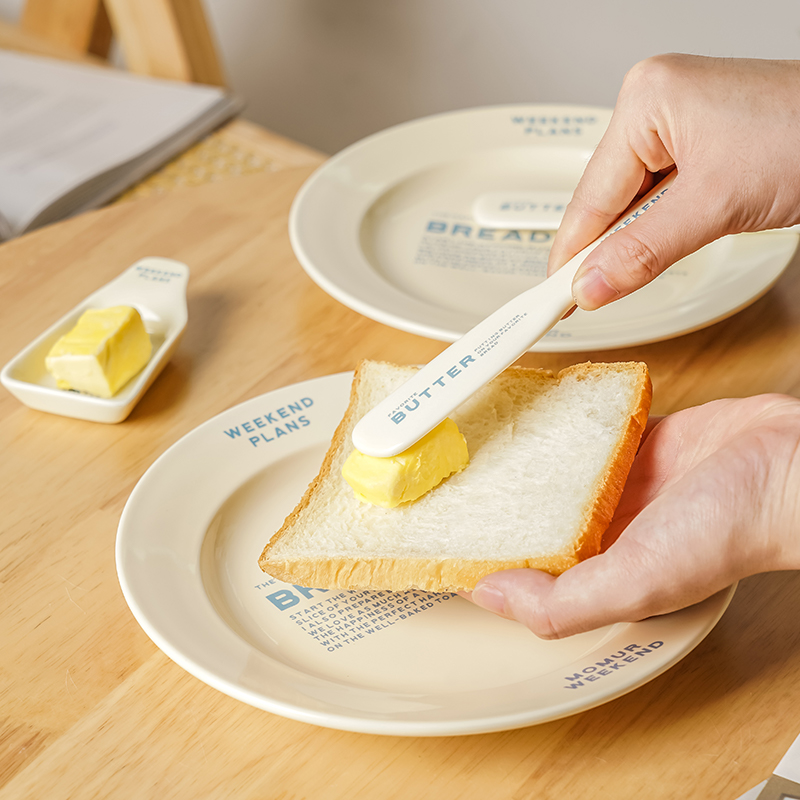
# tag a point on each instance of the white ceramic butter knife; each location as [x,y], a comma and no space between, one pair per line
[481,354]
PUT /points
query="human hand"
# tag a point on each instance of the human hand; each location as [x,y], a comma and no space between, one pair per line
[713,496]
[732,129]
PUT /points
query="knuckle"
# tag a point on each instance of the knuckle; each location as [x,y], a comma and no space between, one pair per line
[590,209]
[540,620]
[541,623]
[638,261]
[656,71]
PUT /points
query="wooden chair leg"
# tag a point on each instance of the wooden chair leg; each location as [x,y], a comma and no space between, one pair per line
[100,43]
[166,38]
[79,25]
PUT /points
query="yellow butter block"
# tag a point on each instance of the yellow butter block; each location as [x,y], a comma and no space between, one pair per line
[388,482]
[106,348]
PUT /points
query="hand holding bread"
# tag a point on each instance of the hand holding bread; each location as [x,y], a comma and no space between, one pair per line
[712,497]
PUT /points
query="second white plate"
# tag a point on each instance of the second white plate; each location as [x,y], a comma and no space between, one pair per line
[386,227]
[413,663]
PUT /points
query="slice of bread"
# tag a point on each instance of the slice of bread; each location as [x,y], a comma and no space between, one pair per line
[549,456]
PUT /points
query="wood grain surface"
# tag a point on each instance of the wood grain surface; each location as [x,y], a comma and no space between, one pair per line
[90,708]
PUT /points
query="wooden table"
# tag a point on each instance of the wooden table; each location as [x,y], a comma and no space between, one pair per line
[90,708]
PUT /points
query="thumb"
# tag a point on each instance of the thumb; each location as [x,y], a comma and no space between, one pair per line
[635,255]
[599,591]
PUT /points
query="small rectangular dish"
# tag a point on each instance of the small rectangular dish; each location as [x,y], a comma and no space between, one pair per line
[156,288]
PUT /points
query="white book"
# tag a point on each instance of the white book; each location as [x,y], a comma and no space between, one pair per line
[74,136]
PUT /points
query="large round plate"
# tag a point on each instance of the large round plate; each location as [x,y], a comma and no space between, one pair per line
[392,663]
[386,228]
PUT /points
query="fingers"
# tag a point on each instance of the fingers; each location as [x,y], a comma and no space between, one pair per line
[612,179]
[556,607]
[637,254]
[663,560]
[644,140]
[631,258]
[636,151]
[625,165]
[672,550]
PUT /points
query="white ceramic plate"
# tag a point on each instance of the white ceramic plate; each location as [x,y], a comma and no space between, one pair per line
[387,228]
[392,663]
[156,288]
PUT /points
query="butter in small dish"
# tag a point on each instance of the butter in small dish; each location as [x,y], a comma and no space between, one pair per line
[105,349]
[100,357]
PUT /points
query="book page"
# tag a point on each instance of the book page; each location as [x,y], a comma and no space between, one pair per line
[62,124]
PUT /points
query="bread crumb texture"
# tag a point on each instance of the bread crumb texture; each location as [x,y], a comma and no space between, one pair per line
[549,456]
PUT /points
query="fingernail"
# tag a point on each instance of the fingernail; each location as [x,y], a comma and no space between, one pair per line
[489,597]
[591,290]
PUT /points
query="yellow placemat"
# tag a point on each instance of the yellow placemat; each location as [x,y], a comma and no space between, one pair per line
[213,159]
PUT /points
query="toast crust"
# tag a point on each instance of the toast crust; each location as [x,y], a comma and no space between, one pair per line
[449,574]
[611,482]
[446,575]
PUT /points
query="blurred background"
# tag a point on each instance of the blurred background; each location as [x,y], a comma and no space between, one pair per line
[328,73]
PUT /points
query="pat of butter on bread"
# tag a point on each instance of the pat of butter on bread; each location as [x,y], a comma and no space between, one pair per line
[549,456]
[105,349]
[403,478]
